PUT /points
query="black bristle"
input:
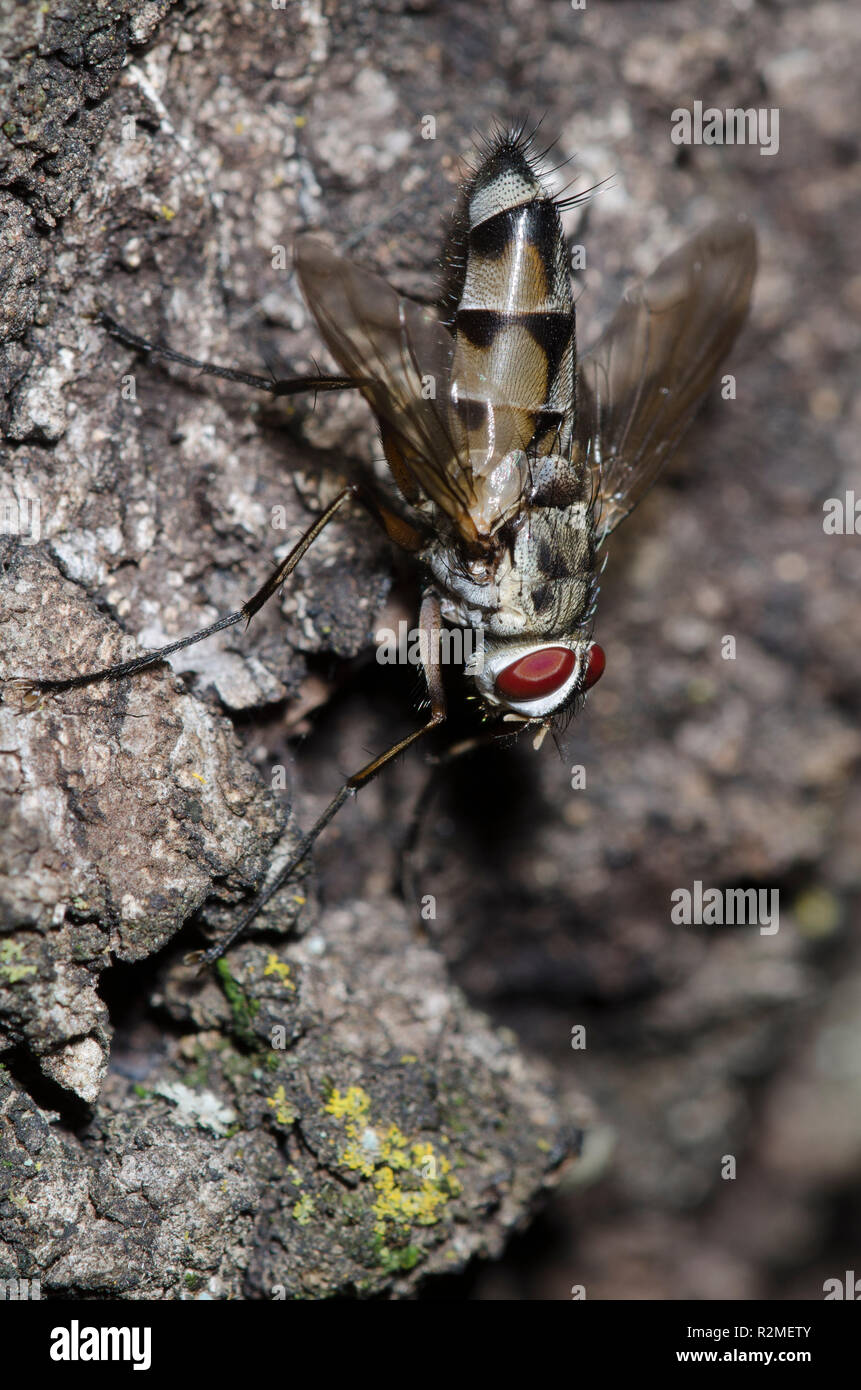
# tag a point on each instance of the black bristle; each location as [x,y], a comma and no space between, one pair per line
[505,140]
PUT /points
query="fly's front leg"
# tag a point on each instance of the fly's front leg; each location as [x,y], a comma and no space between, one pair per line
[429,624]
[245,613]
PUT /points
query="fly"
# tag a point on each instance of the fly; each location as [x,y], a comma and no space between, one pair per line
[512,460]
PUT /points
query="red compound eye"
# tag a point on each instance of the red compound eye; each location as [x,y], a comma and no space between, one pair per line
[595,663]
[538,674]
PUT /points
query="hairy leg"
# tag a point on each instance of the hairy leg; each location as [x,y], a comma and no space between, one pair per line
[429,623]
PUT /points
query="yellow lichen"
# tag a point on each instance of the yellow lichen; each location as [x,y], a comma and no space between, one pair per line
[284,1112]
[403,1206]
[354,1103]
[411,1182]
[274,966]
[303,1210]
[394,1149]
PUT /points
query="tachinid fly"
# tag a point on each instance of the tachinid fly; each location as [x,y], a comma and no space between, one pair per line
[513,461]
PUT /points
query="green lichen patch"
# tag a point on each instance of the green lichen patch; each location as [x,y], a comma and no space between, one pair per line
[283,1111]
[303,1210]
[12,970]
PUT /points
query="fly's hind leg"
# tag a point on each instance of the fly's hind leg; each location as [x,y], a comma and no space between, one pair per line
[429,623]
[31,686]
[245,613]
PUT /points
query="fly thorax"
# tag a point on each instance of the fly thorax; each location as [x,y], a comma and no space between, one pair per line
[552,575]
[538,577]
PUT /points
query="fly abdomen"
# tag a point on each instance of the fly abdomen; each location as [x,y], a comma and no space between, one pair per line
[514,317]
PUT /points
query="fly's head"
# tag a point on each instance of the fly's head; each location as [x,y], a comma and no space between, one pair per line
[531,682]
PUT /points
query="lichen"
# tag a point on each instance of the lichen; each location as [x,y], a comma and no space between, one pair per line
[201,1108]
[242,1008]
[274,966]
[11,953]
[392,1261]
[284,1112]
[303,1210]
[411,1182]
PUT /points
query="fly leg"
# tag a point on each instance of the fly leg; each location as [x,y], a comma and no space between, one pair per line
[429,623]
[284,386]
[407,868]
[246,613]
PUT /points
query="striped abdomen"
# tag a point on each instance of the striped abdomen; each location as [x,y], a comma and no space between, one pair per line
[514,362]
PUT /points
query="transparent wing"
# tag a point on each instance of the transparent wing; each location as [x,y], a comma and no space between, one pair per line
[399,355]
[642,383]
